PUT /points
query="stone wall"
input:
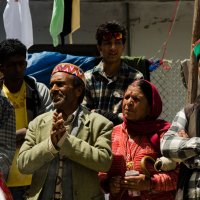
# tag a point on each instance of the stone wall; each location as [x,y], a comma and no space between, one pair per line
[149,23]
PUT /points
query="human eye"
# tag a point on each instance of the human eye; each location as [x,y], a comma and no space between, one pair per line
[13,64]
[22,63]
[50,85]
[127,97]
[118,42]
[136,98]
[59,84]
[107,43]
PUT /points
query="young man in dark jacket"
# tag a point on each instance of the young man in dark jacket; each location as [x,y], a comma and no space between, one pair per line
[29,99]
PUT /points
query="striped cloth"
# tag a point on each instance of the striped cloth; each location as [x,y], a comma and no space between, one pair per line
[184,150]
[7,135]
[106,93]
[58,187]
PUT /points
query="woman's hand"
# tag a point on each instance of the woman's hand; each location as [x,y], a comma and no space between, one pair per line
[136,183]
[115,187]
[183,134]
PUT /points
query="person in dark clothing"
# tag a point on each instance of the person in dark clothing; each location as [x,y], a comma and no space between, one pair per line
[29,99]
[181,143]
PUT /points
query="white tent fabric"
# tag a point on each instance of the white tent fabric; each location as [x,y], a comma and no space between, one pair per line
[18,22]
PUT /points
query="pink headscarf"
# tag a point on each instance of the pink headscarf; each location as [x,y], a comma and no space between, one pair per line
[151,127]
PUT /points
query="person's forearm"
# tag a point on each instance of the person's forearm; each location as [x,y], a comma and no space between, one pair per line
[97,156]
[4,166]
[178,148]
[32,158]
[164,181]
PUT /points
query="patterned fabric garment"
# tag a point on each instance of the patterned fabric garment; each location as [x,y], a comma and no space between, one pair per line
[133,150]
[183,150]
[38,101]
[58,187]
[7,135]
[106,93]
[89,153]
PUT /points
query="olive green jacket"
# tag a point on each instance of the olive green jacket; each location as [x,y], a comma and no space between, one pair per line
[89,151]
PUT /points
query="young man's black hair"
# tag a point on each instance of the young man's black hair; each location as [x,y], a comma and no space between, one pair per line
[110,27]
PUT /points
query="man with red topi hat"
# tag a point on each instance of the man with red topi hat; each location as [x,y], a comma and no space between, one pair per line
[66,148]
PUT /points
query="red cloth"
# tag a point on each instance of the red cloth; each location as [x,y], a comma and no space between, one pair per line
[70,69]
[144,140]
[152,126]
[4,189]
[134,150]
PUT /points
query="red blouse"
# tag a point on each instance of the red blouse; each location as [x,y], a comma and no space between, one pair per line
[132,150]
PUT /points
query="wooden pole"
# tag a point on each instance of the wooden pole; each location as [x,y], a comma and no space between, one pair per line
[193,68]
[128,29]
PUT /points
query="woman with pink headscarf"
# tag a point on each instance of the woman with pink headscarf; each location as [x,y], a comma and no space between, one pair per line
[135,147]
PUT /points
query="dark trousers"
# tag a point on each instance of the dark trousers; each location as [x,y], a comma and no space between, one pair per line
[19,193]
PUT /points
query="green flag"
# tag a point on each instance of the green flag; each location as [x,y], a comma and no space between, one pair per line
[57,19]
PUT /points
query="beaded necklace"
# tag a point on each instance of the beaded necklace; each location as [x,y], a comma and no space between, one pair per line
[131,152]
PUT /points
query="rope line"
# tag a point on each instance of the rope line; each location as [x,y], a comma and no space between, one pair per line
[164,45]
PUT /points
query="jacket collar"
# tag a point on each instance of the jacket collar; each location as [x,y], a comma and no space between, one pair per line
[82,114]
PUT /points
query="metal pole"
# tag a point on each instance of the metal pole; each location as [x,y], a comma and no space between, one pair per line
[128,29]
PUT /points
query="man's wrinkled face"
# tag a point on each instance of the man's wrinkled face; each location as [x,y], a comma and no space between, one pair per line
[63,92]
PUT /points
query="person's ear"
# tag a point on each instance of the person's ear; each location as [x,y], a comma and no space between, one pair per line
[79,91]
[99,48]
[25,64]
[123,46]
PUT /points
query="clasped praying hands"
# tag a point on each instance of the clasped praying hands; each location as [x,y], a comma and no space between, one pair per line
[58,128]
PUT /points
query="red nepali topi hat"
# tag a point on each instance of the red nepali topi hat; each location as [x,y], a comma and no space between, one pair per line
[70,69]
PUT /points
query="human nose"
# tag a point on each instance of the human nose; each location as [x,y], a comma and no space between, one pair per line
[54,88]
[20,65]
[19,68]
[130,101]
[113,45]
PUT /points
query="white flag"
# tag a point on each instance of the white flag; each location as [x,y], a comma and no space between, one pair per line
[18,22]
